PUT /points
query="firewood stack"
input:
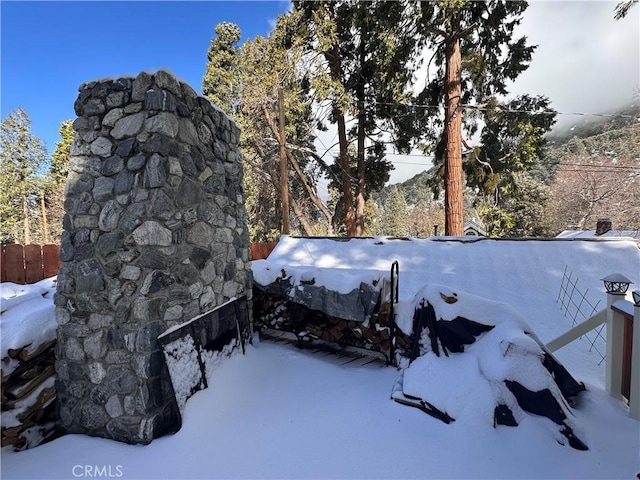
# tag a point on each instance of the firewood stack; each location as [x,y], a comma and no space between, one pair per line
[28,396]
[275,312]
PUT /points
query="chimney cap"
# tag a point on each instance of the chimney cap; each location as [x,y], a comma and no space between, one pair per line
[603,225]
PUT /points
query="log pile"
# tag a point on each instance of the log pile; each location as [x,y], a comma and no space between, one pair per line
[275,312]
[28,396]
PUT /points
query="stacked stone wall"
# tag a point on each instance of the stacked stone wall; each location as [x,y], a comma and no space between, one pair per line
[155,233]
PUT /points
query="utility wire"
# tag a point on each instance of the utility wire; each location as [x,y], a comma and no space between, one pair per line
[588,165]
[595,169]
[484,107]
[600,168]
[582,170]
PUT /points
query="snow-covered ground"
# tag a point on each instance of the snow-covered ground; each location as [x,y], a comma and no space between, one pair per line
[278,412]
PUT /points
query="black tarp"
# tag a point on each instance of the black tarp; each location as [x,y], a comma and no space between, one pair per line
[453,335]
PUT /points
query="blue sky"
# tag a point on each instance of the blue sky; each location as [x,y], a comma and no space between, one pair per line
[50,48]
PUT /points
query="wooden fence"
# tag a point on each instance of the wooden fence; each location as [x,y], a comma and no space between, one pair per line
[261,250]
[29,263]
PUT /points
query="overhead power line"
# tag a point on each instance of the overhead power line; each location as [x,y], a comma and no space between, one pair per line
[589,165]
[586,170]
[585,167]
[485,107]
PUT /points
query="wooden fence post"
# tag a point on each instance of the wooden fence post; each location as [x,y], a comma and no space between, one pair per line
[3,264]
[13,264]
[51,260]
[261,250]
[33,263]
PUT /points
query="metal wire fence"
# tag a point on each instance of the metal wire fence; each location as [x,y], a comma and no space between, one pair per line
[578,307]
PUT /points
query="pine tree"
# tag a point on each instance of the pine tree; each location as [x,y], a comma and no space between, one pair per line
[365,48]
[511,148]
[263,66]
[271,66]
[22,155]
[55,180]
[525,211]
[372,218]
[475,55]
[395,214]
[59,168]
[221,80]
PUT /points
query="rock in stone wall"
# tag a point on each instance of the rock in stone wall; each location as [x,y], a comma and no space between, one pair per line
[155,233]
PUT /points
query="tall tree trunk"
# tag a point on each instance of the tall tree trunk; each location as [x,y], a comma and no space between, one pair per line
[27,228]
[313,195]
[335,71]
[297,210]
[453,186]
[284,184]
[360,197]
[343,161]
[45,224]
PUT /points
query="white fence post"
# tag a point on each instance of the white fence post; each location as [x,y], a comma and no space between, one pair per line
[634,396]
[615,339]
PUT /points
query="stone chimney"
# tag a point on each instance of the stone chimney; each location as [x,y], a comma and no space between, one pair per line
[603,225]
[155,234]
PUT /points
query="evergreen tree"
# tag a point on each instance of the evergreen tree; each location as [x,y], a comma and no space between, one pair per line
[221,82]
[531,207]
[270,67]
[512,146]
[377,175]
[54,183]
[59,167]
[262,67]
[363,71]
[475,55]
[395,214]
[22,155]
[526,210]
[261,203]
[372,218]
[511,141]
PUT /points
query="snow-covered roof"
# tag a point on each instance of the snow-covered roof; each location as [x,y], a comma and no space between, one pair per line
[526,274]
[635,234]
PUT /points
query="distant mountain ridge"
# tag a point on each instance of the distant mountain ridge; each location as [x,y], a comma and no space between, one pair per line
[413,189]
[612,143]
[588,126]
